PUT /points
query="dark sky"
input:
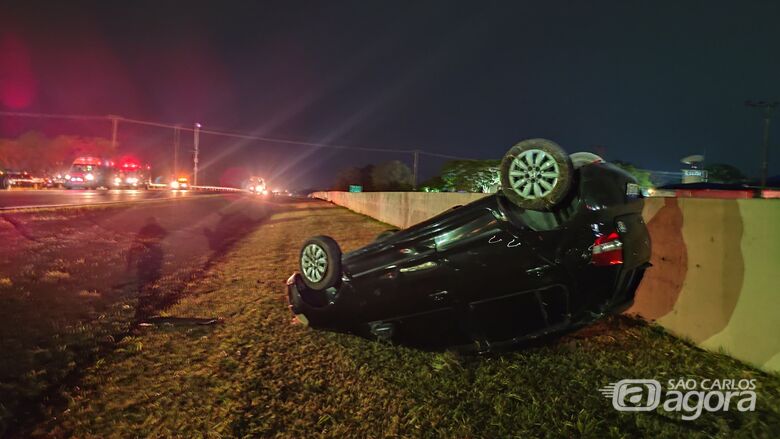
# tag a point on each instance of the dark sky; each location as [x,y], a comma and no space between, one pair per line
[649,81]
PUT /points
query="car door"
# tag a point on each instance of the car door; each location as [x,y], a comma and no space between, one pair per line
[506,276]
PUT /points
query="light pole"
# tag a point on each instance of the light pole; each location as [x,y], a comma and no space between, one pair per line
[114,129]
[176,137]
[766,108]
[414,176]
[196,143]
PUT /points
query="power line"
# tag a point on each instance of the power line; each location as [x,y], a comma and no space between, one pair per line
[452,157]
[236,135]
[243,136]
[177,128]
[303,143]
[53,116]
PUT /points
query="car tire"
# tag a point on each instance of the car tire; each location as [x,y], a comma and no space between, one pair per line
[384,235]
[320,262]
[536,174]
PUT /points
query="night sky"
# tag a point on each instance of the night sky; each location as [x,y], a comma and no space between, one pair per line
[649,82]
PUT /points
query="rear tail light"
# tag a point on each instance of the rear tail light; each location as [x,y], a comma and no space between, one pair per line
[607,250]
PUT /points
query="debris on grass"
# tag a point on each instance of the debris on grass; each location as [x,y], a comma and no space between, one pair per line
[55,276]
[182,320]
[89,293]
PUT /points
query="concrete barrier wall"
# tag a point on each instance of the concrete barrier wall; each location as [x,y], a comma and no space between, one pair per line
[716,265]
[400,209]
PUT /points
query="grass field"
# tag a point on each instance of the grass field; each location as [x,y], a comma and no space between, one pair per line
[257,374]
[73,281]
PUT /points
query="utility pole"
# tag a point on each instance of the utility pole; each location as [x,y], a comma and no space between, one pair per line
[114,129]
[766,108]
[414,172]
[196,143]
[176,140]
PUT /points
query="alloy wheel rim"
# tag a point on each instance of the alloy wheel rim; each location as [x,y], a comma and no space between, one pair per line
[533,174]
[314,262]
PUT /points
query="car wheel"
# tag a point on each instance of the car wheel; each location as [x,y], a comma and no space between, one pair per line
[536,174]
[320,262]
[384,235]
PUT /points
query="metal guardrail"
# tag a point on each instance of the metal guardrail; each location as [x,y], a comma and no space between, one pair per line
[217,188]
[161,186]
[199,188]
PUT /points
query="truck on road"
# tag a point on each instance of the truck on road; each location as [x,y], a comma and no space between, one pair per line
[89,173]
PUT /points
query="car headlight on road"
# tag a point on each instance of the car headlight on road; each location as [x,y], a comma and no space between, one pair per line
[117,181]
[89,177]
[131,180]
[67,177]
[174,185]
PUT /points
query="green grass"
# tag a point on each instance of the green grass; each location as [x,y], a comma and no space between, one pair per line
[70,282]
[257,374]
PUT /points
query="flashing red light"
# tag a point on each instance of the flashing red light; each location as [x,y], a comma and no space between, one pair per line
[88,160]
[128,162]
[607,250]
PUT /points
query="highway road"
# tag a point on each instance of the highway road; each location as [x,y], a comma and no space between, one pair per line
[53,197]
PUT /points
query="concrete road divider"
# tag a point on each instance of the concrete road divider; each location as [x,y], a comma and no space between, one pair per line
[714,278]
[401,209]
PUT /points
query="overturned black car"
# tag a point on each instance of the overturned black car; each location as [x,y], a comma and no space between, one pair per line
[562,244]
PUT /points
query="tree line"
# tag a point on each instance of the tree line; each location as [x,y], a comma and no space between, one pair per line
[456,175]
[388,176]
[37,153]
[482,176]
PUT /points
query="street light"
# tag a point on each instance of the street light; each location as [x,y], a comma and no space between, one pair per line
[766,108]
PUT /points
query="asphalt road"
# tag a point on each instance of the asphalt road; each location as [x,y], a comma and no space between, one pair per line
[53,197]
